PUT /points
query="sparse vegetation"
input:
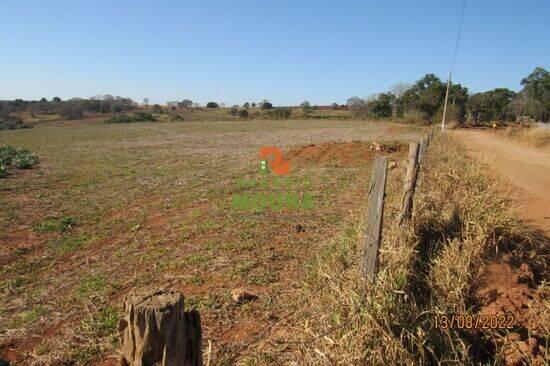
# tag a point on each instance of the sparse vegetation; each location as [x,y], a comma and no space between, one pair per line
[12,123]
[56,225]
[132,118]
[280,113]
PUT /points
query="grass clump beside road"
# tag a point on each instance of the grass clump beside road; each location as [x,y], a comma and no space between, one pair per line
[132,118]
[539,137]
[426,269]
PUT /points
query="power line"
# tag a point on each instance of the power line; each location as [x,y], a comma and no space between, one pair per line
[458,33]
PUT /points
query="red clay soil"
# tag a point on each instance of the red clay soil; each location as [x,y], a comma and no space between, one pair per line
[343,154]
[507,290]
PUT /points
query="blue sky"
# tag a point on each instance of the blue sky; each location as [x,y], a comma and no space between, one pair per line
[281,50]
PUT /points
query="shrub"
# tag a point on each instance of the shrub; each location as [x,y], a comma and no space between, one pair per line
[157,109]
[11,123]
[20,158]
[243,113]
[212,105]
[131,118]
[306,108]
[24,159]
[7,153]
[265,104]
[280,113]
[234,110]
[70,110]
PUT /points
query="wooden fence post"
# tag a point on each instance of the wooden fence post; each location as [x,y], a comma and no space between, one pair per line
[157,331]
[423,147]
[372,232]
[410,184]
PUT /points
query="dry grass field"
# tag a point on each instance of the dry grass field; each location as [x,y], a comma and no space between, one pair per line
[111,208]
[536,136]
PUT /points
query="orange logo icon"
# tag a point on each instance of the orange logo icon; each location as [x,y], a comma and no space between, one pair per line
[277,165]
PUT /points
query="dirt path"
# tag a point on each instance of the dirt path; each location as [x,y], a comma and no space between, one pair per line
[525,168]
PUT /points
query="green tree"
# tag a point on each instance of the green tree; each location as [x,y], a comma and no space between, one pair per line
[381,105]
[357,106]
[536,89]
[265,104]
[186,103]
[306,108]
[212,105]
[426,95]
[491,105]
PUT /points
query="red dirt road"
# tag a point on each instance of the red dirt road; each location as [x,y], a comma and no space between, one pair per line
[526,169]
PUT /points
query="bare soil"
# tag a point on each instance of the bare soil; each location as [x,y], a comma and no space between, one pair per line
[345,154]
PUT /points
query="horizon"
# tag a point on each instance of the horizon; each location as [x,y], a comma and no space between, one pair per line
[241,52]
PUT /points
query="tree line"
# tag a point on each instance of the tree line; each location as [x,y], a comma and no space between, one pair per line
[419,102]
[70,109]
[424,101]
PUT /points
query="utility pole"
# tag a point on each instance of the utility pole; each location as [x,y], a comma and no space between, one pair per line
[445,106]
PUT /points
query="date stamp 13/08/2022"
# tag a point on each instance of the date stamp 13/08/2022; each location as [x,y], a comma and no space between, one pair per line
[475,321]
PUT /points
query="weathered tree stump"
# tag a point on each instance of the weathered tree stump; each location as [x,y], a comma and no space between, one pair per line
[156,330]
